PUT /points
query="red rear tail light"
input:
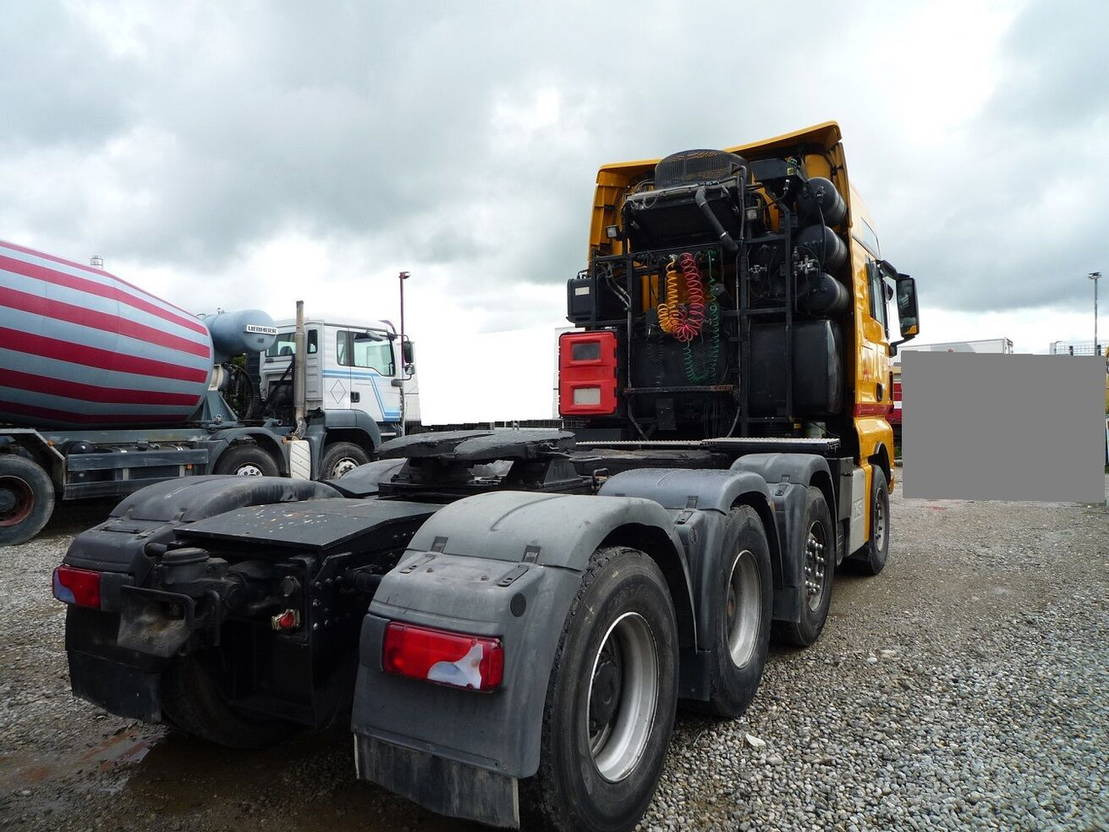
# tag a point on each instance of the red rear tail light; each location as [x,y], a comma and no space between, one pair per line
[587,373]
[77,586]
[456,659]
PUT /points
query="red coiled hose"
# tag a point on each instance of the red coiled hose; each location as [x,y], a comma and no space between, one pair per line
[693,318]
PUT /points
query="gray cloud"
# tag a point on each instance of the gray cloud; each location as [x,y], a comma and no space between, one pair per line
[1015,215]
[1056,77]
[466,136]
[53,81]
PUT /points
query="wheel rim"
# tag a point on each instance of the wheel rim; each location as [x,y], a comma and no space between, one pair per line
[816,564]
[623,694]
[743,605]
[343,466]
[249,469]
[879,523]
[16,500]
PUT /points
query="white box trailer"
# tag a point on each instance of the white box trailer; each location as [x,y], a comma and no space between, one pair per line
[983,345]
[1000,346]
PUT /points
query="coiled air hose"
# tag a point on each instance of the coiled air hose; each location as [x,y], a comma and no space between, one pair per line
[704,368]
[685,312]
[682,314]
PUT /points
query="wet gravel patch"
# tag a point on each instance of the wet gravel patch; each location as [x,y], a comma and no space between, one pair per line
[964,688]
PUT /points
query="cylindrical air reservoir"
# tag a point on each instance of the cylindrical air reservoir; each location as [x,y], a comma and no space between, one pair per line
[234,333]
[824,245]
[819,201]
[81,348]
[826,296]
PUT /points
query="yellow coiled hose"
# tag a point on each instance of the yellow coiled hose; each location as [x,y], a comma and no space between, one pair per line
[668,317]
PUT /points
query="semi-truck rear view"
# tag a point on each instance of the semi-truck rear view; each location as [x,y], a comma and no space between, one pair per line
[105,388]
[511,618]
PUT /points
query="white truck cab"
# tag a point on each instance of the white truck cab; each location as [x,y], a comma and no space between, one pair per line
[355,364]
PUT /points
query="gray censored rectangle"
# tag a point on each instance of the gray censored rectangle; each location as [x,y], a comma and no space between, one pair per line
[1003,427]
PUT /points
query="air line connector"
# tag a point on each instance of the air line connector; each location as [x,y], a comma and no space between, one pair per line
[284,621]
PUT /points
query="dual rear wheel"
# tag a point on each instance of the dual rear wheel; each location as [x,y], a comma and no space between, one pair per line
[818,568]
[743,596]
[610,700]
[613,688]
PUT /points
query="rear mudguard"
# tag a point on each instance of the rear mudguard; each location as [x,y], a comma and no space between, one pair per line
[789,477]
[151,514]
[699,502]
[504,564]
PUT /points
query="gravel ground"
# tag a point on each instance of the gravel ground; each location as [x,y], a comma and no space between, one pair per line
[964,688]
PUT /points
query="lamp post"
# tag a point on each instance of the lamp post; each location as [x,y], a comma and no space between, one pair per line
[399,383]
[1095,276]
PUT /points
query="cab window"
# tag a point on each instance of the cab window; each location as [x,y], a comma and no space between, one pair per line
[870,239]
[877,292]
[285,344]
[368,350]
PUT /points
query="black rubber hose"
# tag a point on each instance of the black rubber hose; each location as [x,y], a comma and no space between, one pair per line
[725,237]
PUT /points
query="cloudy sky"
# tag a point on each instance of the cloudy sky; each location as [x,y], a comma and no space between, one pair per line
[249,154]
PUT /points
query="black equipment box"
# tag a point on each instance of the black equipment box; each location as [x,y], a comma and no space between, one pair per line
[818,376]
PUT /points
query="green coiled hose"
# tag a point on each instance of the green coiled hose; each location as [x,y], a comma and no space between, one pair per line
[702,367]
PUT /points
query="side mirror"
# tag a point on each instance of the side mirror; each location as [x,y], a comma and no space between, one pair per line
[408,354]
[907,314]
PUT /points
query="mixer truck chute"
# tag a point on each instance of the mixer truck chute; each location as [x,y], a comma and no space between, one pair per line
[105,388]
[510,617]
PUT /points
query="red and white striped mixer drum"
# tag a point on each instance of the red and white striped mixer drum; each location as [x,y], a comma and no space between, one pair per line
[81,348]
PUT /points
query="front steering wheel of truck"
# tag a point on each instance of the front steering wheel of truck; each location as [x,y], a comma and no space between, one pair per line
[341,458]
[871,559]
[610,700]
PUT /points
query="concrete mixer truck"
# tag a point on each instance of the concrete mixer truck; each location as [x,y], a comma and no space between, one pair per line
[105,388]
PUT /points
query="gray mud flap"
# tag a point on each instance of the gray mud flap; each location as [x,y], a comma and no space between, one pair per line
[436,783]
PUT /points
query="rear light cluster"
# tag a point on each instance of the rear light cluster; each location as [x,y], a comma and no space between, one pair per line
[77,586]
[587,373]
[464,661]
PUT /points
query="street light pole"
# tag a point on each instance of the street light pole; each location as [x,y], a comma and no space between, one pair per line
[401,277]
[1095,276]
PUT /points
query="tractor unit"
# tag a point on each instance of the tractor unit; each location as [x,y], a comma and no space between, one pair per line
[509,619]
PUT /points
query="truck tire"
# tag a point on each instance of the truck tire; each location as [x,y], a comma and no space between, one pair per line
[871,558]
[818,568]
[26,499]
[193,704]
[744,600]
[341,457]
[246,461]
[610,700]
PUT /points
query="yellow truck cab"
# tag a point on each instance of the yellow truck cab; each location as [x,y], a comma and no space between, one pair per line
[740,293]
